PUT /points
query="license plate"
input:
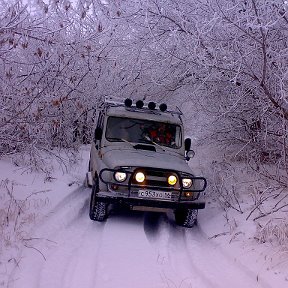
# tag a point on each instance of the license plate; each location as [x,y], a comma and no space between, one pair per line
[154,194]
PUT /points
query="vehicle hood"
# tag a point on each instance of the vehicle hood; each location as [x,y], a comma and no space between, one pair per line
[114,157]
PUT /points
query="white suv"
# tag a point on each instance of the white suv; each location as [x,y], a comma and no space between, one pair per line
[139,158]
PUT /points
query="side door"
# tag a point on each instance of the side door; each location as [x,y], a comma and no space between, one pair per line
[95,154]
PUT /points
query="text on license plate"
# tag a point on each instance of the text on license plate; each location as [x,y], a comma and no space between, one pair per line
[154,194]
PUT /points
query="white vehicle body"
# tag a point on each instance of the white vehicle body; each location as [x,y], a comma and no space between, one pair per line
[130,140]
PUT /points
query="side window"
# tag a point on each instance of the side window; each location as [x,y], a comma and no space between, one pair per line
[99,128]
[100,120]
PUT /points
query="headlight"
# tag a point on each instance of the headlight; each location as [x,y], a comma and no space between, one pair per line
[172,180]
[140,177]
[120,176]
[187,183]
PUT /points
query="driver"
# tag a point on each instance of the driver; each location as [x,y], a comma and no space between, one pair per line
[160,134]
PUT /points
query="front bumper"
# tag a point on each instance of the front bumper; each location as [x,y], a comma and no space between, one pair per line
[177,201]
[196,204]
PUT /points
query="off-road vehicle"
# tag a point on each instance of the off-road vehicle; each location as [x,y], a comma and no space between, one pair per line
[139,159]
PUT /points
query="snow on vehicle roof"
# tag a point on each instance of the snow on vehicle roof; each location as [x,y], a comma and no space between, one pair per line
[153,115]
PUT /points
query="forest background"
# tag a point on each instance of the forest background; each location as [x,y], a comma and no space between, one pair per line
[224,62]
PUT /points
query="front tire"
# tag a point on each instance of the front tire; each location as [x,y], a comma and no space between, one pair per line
[98,210]
[186,217]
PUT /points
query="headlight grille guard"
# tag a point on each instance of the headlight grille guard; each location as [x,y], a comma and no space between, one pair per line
[130,185]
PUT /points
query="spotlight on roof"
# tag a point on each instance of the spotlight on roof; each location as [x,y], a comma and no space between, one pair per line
[151,105]
[139,104]
[128,102]
[163,107]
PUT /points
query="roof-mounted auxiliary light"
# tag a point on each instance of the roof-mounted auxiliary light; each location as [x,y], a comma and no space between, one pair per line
[151,105]
[128,102]
[139,104]
[163,107]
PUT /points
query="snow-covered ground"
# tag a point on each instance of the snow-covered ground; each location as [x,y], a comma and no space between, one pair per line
[62,248]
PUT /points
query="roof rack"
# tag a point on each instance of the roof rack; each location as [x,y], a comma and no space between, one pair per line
[138,106]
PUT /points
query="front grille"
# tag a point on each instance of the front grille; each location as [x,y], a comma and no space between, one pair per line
[156,179]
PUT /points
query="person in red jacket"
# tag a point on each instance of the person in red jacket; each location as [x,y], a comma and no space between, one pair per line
[160,135]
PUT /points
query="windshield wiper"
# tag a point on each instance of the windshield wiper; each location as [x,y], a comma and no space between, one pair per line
[120,139]
[152,142]
[147,140]
[115,139]
[126,141]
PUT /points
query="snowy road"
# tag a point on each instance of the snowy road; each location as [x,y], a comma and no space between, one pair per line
[133,249]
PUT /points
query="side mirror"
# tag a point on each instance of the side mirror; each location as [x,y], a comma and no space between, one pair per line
[187,144]
[98,133]
[190,154]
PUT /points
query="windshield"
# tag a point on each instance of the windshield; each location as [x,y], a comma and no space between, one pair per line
[143,131]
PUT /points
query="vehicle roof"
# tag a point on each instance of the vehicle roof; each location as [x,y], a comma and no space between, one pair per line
[144,113]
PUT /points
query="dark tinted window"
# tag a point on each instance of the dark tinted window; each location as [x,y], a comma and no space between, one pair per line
[143,131]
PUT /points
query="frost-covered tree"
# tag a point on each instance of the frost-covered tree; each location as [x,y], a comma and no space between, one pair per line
[249,42]
[227,59]
[52,57]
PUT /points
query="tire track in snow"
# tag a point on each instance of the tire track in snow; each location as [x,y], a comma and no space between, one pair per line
[78,251]
[59,237]
[224,267]
[176,270]
[202,263]
[195,276]
[213,264]
[130,249]
[73,262]
[127,258]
